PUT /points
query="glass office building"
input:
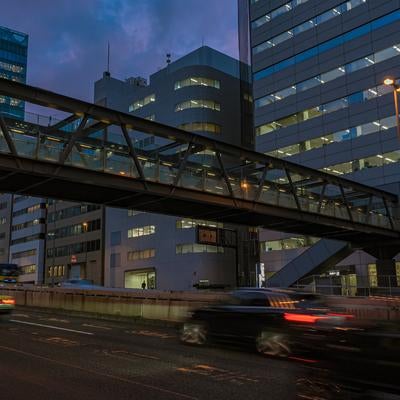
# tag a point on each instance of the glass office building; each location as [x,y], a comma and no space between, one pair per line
[319,100]
[13,63]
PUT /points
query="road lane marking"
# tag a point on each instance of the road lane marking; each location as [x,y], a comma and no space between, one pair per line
[21,315]
[155,334]
[59,341]
[51,327]
[98,327]
[64,321]
[103,374]
[218,374]
[116,353]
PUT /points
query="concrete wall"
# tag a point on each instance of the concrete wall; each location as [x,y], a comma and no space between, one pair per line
[168,305]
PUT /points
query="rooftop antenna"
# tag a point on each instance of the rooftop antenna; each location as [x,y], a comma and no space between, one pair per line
[107,73]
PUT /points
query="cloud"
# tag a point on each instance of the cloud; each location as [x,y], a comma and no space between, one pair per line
[68,39]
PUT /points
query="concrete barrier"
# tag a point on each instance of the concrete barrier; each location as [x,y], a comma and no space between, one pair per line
[156,305]
[165,305]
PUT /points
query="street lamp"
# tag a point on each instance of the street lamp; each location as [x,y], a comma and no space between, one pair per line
[85,230]
[396,88]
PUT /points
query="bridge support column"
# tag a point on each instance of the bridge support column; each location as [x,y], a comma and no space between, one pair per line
[385,263]
[386,273]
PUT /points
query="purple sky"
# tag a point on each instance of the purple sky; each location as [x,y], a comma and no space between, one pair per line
[68,38]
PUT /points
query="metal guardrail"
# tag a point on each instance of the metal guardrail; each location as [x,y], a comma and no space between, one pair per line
[351,285]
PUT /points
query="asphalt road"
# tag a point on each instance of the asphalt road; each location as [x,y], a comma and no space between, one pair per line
[53,356]
[47,356]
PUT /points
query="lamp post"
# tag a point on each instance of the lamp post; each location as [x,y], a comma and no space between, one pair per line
[396,89]
[85,230]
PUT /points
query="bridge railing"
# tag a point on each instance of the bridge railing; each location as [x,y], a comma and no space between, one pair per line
[195,167]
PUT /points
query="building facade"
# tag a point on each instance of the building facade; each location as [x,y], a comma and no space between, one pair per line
[74,245]
[202,93]
[22,218]
[319,100]
[28,230]
[13,64]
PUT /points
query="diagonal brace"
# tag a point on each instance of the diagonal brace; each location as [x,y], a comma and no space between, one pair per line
[133,154]
[75,136]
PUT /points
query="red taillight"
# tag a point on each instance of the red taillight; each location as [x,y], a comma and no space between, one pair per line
[8,301]
[346,316]
[304,318]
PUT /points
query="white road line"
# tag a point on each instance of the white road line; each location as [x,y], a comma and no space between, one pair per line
[98,326]
[51,327]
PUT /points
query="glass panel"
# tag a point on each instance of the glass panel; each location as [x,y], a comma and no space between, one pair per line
[303,27]
[51,147]
[333,74]
[308,84]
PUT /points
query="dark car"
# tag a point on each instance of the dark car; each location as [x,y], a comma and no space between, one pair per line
[366,357]
[275,322]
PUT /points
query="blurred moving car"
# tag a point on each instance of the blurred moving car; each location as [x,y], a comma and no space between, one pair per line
[276,322]
[366,357]
[79,284]
[7,304]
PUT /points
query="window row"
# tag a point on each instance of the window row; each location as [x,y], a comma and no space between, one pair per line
[276,12]
[8,100]
[17,199]
[28,269]
[141,254]
[75,248]
[288,243]
[317,111]
[347,134]
[211,104]
[141,231]
[3,205]
[192,223]
[201,127]
[22,254]
[197,248]
[30,238]
[56,270]
[15,48]
[143,143]
[72,212]
[311,23]
[378,160]
[77,229]
[19,69]
[13,57]
[11,76]
[132,212]
[197,81]
[142,102]
[30,209]
[2,235]
[328,45]
[28,224]
[325,77]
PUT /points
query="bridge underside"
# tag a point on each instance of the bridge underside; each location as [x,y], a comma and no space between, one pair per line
[44,179]
[98,155]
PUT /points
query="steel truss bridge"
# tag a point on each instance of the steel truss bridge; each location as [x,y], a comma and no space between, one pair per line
[99,155]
